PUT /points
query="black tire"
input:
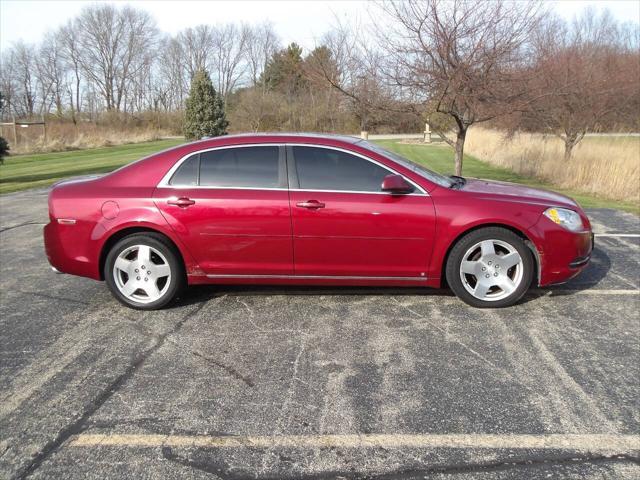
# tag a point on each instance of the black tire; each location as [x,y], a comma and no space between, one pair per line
[172,256]
[467,242]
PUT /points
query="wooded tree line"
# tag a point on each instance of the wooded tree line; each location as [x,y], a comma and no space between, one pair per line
[453,63]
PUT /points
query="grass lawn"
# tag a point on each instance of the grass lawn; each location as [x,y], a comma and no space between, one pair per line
[29,171]
[440,158]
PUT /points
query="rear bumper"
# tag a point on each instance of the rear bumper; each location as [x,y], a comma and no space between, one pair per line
[65,247]
[52,247]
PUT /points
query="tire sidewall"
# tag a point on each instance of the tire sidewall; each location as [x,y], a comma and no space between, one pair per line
[489,233]
[172,257]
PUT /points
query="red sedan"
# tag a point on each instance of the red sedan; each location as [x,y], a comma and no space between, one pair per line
[313,210]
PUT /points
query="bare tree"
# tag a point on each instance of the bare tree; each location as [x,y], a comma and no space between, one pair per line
[21,74]
[353,66]
[8,86]
[454,63]
[261,43]
[172,82]
[70,52]
[52,73]
[115,44]
[458,59]
[227,57]
[196,45]
[590,77]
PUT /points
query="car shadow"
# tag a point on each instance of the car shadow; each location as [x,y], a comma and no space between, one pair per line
[202,293]
[596,271]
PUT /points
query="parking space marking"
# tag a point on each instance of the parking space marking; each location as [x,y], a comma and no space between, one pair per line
[576,291]
[588,442]
[630,235]
[603,292]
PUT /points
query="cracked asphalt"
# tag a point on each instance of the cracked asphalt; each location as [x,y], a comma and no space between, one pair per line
[314,383]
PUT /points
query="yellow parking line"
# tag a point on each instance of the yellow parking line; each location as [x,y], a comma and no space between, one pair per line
[582,442]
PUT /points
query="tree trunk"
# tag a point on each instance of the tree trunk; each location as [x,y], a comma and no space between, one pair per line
[568,149]
[460,138]
[77,93]
[570,141]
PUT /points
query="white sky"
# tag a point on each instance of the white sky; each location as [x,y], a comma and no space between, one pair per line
[303,21]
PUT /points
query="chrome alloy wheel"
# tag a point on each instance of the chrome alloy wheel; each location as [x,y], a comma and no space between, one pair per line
[142,273]
[491,270]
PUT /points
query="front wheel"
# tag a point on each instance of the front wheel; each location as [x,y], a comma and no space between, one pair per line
[490,268]
[144,271]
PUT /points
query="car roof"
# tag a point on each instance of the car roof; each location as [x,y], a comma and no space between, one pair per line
[279,136]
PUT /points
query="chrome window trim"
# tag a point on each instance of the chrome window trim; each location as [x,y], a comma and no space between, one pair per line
[164,182]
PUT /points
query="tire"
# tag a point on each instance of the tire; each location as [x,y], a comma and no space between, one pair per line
[152,287]
[490,268]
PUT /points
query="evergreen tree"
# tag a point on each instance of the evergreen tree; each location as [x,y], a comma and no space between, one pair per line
[284,71]
[4,149]
[204,114]
[4,146]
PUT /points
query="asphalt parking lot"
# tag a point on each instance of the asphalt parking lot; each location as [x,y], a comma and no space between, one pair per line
[316,383]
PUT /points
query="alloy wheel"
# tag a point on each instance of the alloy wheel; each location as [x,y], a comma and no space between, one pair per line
[491,270]
[142,274]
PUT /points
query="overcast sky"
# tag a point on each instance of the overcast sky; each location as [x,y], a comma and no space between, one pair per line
[302,21]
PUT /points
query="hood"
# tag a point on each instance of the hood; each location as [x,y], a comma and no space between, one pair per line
[516,193]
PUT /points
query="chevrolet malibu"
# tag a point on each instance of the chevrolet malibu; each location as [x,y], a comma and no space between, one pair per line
[313,210]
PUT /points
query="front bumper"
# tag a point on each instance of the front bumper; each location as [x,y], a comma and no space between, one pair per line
[562,254]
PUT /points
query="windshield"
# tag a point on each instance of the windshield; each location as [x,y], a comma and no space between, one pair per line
[415,167]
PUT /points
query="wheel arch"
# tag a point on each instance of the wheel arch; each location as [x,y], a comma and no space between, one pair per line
[528,242]
[118,235]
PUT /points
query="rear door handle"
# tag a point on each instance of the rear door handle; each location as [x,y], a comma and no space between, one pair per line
[182,202]
[311,204]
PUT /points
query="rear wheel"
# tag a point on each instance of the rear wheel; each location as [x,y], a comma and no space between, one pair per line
[144,271]
[491,267]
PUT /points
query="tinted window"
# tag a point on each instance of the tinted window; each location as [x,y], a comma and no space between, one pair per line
[326,169]
[187,173]
[240,167]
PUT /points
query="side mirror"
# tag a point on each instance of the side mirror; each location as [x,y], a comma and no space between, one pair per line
[396,184]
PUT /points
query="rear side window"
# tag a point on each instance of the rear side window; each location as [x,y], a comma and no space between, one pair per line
[326,169]
[255,167]
[187,173]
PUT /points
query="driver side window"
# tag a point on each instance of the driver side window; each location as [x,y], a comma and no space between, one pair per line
[327,169]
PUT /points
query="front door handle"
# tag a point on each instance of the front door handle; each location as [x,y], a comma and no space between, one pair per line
[311,204]
[182,202]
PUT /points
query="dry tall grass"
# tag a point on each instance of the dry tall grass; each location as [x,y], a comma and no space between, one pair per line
[66,137]
[62,134]
[608,167]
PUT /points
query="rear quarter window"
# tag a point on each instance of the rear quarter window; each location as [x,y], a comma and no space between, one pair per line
[249,167]
[187,173]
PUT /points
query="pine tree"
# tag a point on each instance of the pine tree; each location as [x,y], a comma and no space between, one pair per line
[4,149]
[4,146]
[284,71]
[204,114]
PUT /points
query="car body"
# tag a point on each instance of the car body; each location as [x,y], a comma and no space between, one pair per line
[303,209]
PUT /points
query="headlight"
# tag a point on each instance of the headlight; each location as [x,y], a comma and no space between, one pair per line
[567,218]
